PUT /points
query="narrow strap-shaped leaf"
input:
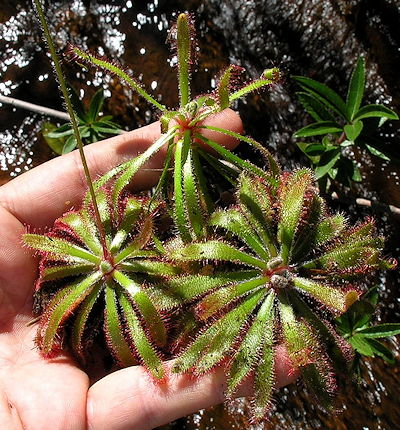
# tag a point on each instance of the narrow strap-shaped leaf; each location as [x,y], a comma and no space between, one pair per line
[81,320]
[319,128]
[329,228]
[150,267]
[291,205]
[109,66]
[356,89]
[228,172]
[59,247]
[256,204]
[211,346]
[82,225]
[235,222]
[183,289]
[162,182]
[132,211]
[106,215]
[324,94]
[96,104]
[232,158]
[143,346]
[64,270]
[61,307]
[375,111]
[146,308]
[114,332]
[223,87]
[216,300]
[320,380]
[380,330]
[184,57]
[192,198]
[131,168]
[141,240]
[332,297]
[204,196]
[215,250]
[273,164]
[314,107]
[180,210]
[255,345]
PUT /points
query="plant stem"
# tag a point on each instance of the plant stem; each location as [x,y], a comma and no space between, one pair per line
[34,108]
[72,117]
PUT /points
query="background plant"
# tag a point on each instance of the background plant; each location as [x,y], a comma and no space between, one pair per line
[92,125]
[340,125]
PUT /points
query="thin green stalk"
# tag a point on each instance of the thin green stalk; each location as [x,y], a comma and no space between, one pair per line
[72,117]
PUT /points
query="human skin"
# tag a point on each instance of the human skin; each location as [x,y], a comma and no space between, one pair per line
[40,394]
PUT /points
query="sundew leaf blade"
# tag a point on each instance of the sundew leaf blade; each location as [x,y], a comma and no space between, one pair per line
[130,168]
[216,250]
[256,344]
[180,211]
[217,300]
[52,273]
[58,247]
[235,222]
[81,320]
[213,344]
[145,306]
[232,158]
[61,307]
[116,341]
[143,346]
[150,267]
[182,289]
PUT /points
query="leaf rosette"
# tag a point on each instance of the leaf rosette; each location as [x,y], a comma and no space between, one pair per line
[280,269]
[91,282]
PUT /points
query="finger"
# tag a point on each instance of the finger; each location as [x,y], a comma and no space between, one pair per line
[129,400]
[41,195]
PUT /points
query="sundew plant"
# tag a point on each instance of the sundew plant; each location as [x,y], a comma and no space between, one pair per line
[274,268]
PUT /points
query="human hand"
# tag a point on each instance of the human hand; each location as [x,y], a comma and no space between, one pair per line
[39,394]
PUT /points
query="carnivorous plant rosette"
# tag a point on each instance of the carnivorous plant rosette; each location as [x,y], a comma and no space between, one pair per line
[189,151]
[94,281]
[277,269]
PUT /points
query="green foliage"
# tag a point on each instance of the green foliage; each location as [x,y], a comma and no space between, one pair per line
[91,125]
[100,286]
[273,268]
[190,187]
[357,327]
[290,259]
[340,125]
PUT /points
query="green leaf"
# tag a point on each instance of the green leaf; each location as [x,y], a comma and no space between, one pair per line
[380,330]
[382,351]
[375,111]
[352,131]
[312,149]
[324,94]
[215,250]
[140,340]
[356,89]
[314,107]
[327,162]
[376,152]
[95,105]
[116,341]
[56,144]
[69,145]
[361,345]
[318,128]
[184,57]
